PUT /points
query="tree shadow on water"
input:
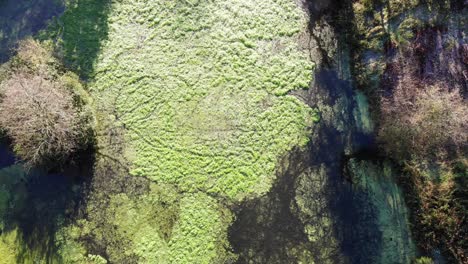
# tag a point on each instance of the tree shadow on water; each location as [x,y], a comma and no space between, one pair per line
[19,19]
[40,204]
[270,229]
[81,29]
[6,155]
[266,228]
[355,222]
[353,217]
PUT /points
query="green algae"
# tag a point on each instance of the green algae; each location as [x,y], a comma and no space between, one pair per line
[8,247]
[127,227]
[134,229]
[378,181]
[200,235]
[147,222]
[73,252]
[202,90]
[156,227]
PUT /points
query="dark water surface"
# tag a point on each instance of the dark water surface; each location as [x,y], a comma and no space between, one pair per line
[6,156]
[35,204]
[269,229]
[22,18]
[336,201]
[266,227]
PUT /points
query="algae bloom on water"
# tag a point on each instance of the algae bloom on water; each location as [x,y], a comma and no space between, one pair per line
[202,88]
[198,92]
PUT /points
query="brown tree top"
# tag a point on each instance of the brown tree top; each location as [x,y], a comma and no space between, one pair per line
[38,109]
[40,118]
[424,120]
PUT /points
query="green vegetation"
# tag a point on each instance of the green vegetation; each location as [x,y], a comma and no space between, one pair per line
[192,96]
[438,190]
[202,89]
[424,260]
[200,235]
[423,122]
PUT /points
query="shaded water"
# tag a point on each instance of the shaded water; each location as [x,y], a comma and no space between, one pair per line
[34,205]
[325,206]
[336,201]
[22,18]
[6,156]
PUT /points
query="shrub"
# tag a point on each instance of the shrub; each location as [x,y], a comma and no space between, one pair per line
[40,118]
[423,126]
[33,55]
[39,109]
[427,122]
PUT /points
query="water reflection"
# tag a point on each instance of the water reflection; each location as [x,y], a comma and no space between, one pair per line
[35,205]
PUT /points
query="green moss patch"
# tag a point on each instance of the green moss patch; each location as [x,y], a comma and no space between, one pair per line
[200,235]
[202,89]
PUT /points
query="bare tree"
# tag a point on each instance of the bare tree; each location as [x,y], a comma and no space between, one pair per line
[424,122]
[40,118]
[423,116]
